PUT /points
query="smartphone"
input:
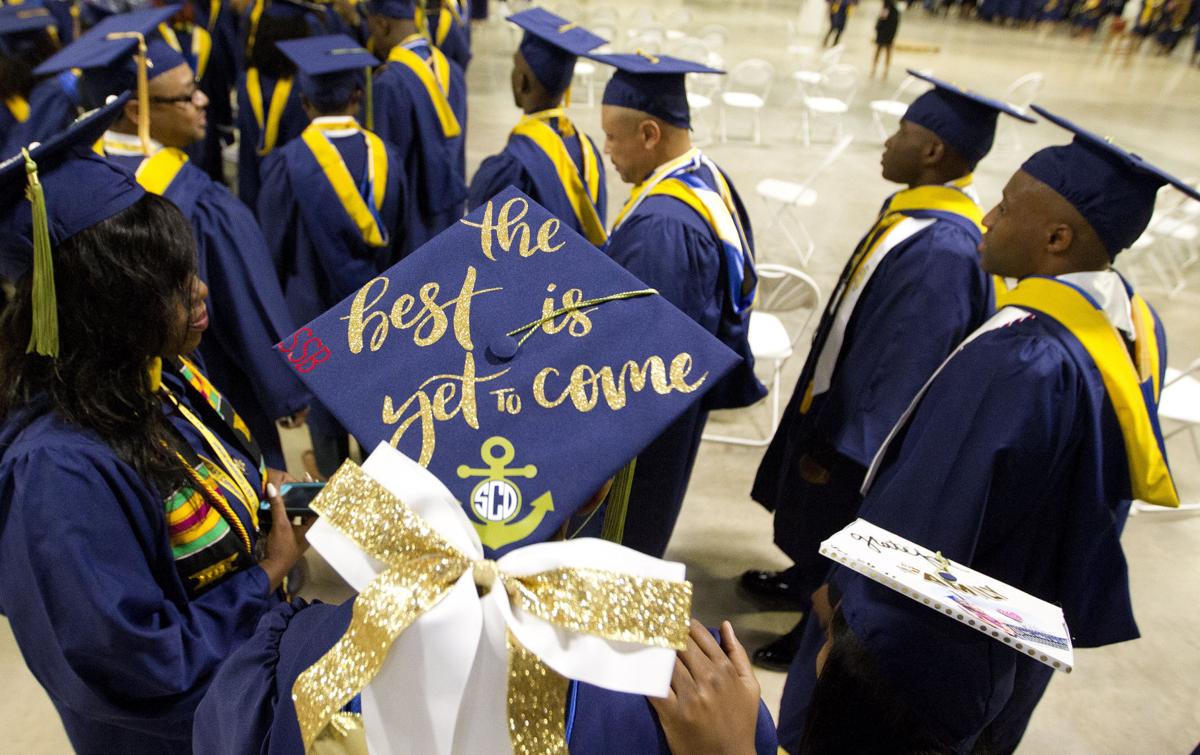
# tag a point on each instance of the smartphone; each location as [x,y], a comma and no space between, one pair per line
[296,497]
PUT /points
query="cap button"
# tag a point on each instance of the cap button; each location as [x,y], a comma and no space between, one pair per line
[503,348]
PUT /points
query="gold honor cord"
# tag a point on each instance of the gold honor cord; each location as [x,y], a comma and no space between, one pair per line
[530,327]
[422,568]
[143,86]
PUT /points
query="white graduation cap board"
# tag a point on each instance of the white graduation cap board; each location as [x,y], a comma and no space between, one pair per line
[1028,624]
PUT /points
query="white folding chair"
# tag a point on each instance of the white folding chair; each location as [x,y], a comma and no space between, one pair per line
[788,198]
[677,22]
[811,75]
[715,36]
[603,15]
[829,99]
[747,88]
[782,291]
[893,108]
[650,38]
[1020,94]
[641,16]
[1178,403]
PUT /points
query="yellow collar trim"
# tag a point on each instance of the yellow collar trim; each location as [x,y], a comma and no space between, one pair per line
[279,99]
[1123,378]
[156,172]
[661,172]
[434,75]
[18,106]
[581,189]
[338,175]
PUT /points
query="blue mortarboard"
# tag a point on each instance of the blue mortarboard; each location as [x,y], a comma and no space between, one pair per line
[961,118]
[77,188]
[653,84]
[551,45]
[1113,189]
[517,362]
[331,67]
[392,8]
[24,18]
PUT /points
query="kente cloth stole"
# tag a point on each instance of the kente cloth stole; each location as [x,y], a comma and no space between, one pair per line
[938,202]
[434,75]
[268,124]
[361,202]
[678,179]
[199,48]
[581,189]
[18,106]
[1132,383]
[209,542]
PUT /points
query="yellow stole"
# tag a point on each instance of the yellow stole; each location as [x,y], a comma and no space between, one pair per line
[268,126]
[581,189]
[338,175]
[434,75]
[18,106]
[156,172]
[201,45]
[450,13]
[1124,378]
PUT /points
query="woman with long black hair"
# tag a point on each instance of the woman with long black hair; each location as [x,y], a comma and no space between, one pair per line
[131,563]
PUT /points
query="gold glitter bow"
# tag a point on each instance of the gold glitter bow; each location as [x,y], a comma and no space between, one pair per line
[422,568]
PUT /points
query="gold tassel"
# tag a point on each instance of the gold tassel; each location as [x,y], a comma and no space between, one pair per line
[154,371]
[143,86]
[370,95]
[567,97]
[44,338]
[618,504]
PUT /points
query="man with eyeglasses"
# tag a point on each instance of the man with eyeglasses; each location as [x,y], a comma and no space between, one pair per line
[247,312]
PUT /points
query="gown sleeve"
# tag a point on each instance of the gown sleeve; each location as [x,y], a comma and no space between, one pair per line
[494,175]
[249,315]
[95,604]
[278,213]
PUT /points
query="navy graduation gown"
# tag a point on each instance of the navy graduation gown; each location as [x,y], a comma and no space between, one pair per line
[90,587]
[454,40]
[53,104]
[671,248]
[247,312]
[249,706]
[1013,464]
[926,296]
[434,166]
[292,123]
[524,165]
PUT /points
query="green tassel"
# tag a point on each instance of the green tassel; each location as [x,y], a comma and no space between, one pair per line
[44,339]
[618,504]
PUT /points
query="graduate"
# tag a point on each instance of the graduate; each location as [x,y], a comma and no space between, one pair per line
[681,203]
[908,294]
[547,157]
[25,41]
[131,563]
[247,309]
[448,24]
[439,684]
[420,101]
[839,12]
[1059,390]
[269,113]
[332,201]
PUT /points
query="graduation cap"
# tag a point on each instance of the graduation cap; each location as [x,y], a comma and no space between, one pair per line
[331,67]
[963,119]
[515,361]
[1113,189]
[120,52]
[22,19]
[392,8]
[48,194]
[653,84]
[551,46]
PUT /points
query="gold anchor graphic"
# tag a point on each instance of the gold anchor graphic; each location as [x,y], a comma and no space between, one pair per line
[496,501]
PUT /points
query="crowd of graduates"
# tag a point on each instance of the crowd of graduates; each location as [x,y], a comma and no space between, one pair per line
[982,383]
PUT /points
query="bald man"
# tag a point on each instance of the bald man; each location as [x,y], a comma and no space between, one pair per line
[685,233]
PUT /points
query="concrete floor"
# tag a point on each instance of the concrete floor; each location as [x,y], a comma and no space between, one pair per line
[1138,697]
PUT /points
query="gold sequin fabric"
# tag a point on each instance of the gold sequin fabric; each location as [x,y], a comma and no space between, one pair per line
[537,698]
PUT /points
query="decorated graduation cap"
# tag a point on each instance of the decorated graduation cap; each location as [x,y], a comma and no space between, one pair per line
[392,8]
[119,53]
[331,67]
[963,119]
[1112,188]
[47,195]
[653,84]
[935,627]
[551,45]
[501,355]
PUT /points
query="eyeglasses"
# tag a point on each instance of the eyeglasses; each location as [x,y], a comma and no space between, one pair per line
[181,99]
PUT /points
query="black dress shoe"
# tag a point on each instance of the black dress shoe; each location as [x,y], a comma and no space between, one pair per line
[776,585]
[778,655]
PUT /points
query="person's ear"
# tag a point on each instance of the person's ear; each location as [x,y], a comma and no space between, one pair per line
[650,132]
[934,151]
[1059,239]
[130,111]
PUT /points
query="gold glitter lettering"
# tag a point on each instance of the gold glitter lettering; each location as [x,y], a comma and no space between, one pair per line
[507,228]
[576,321]
[582,385]
[354,332]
